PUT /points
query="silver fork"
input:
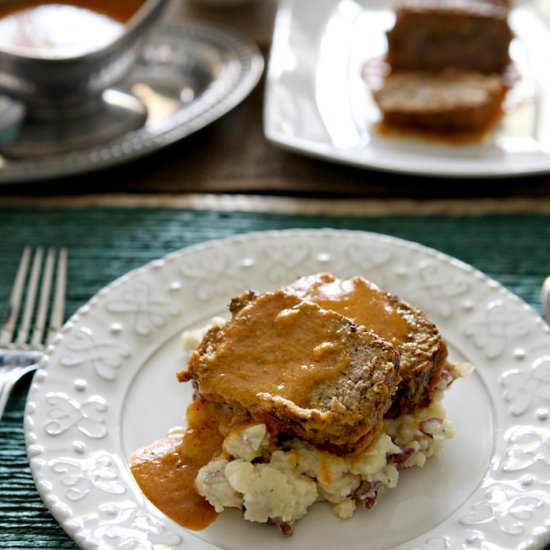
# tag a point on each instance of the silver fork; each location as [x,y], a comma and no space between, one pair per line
[21,349]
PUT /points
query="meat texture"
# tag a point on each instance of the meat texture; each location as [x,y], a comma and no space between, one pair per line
[456,101]
[432,35]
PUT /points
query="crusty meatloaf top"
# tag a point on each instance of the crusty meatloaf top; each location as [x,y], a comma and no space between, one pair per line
[303,370]
[432,35]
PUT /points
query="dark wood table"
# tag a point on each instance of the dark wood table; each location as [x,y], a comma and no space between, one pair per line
[233,156]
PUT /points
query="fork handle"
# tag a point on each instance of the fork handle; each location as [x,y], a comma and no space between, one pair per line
[19,358]
[8,379]
[17,364]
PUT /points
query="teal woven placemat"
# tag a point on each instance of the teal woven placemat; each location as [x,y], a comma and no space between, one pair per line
[105,243]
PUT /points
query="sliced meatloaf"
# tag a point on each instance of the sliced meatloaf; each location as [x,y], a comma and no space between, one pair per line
[432,35]
[448,101]
[423,353]
[301,369]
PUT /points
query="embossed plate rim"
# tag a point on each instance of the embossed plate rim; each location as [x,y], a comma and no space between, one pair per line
[513,494]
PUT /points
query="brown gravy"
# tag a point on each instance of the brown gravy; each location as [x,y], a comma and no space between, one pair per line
[166,470]
[62,29]
[449,137]
[356,299]
[279,346]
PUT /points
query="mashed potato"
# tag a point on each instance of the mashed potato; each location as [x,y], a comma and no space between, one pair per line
[420,435]
[190,339]
[279,484]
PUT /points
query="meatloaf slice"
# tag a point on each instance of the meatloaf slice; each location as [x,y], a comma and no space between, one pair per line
[447,101]
[423,352]
[431,35]
[302,370]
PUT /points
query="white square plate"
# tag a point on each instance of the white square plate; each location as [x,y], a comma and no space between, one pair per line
[317,103]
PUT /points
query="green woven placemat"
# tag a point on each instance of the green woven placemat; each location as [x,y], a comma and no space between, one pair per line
[105,243]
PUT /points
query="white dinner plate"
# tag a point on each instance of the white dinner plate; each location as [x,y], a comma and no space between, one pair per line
[317,103]
[107,386]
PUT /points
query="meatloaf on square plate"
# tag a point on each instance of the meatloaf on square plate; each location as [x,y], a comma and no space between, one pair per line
[432,35]
[448,101]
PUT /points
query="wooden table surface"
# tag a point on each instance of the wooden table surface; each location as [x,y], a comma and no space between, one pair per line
[233,156]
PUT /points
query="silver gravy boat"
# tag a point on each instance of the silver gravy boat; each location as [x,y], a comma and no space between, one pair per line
[75,97]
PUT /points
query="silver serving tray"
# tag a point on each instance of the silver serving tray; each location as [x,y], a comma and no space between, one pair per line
[188,76]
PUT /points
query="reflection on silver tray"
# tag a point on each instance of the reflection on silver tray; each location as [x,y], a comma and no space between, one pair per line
[189,75]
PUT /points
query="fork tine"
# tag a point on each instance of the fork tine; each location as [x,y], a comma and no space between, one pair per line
[58,308]
[40,322]
[15,298]
[23,332]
